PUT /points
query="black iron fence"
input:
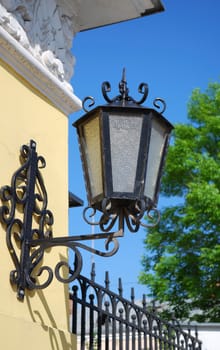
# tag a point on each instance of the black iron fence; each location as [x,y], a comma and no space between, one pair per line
[102,319]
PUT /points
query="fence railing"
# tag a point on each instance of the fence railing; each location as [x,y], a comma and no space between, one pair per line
[102,319]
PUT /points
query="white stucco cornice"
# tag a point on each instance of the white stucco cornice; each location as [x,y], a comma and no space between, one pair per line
[37,75]
[36,38]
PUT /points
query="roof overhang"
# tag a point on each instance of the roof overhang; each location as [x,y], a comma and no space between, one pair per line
[75,201]
[97,13]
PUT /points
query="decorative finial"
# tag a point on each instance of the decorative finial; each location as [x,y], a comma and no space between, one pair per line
[124,97]
[123,89]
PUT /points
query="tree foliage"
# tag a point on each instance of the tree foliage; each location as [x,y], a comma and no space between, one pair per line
[181,265]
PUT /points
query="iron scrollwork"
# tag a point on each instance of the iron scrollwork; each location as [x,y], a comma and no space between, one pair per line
[131,216]
[29,225]
[124,96]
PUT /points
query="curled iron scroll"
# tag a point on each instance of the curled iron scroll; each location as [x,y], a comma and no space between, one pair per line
[154,218]
[106,87]
[161,104]
[142,89]
[85,100]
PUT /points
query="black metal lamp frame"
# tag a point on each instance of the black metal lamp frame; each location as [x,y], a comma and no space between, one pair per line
[126,208]
[29,223]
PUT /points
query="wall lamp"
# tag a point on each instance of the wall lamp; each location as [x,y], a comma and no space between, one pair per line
[123,147]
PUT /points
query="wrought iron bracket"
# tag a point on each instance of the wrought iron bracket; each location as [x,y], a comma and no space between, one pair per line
[29,227]
[29,224]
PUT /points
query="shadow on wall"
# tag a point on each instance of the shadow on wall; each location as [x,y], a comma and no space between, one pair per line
[56,336]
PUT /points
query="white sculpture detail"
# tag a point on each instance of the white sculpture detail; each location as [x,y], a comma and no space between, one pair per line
[41,28]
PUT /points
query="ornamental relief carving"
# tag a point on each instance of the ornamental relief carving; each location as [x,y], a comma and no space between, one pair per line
[44,30]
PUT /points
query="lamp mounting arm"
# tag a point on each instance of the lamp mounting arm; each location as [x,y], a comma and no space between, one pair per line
[29,225]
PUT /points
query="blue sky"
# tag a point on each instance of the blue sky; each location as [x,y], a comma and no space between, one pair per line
[174,52]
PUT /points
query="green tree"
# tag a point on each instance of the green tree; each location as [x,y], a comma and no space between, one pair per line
[181,265]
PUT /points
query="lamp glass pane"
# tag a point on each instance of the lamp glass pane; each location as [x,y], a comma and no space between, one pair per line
[125,133]
[155,155]
[92,149]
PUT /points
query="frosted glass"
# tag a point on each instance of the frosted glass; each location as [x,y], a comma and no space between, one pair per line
[124,142]
[157,142]
[93,155]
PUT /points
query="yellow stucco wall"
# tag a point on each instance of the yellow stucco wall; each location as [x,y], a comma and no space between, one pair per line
[42,318]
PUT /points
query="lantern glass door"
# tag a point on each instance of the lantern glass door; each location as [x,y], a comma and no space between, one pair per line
[158,142]
[92,152]
[125,133]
